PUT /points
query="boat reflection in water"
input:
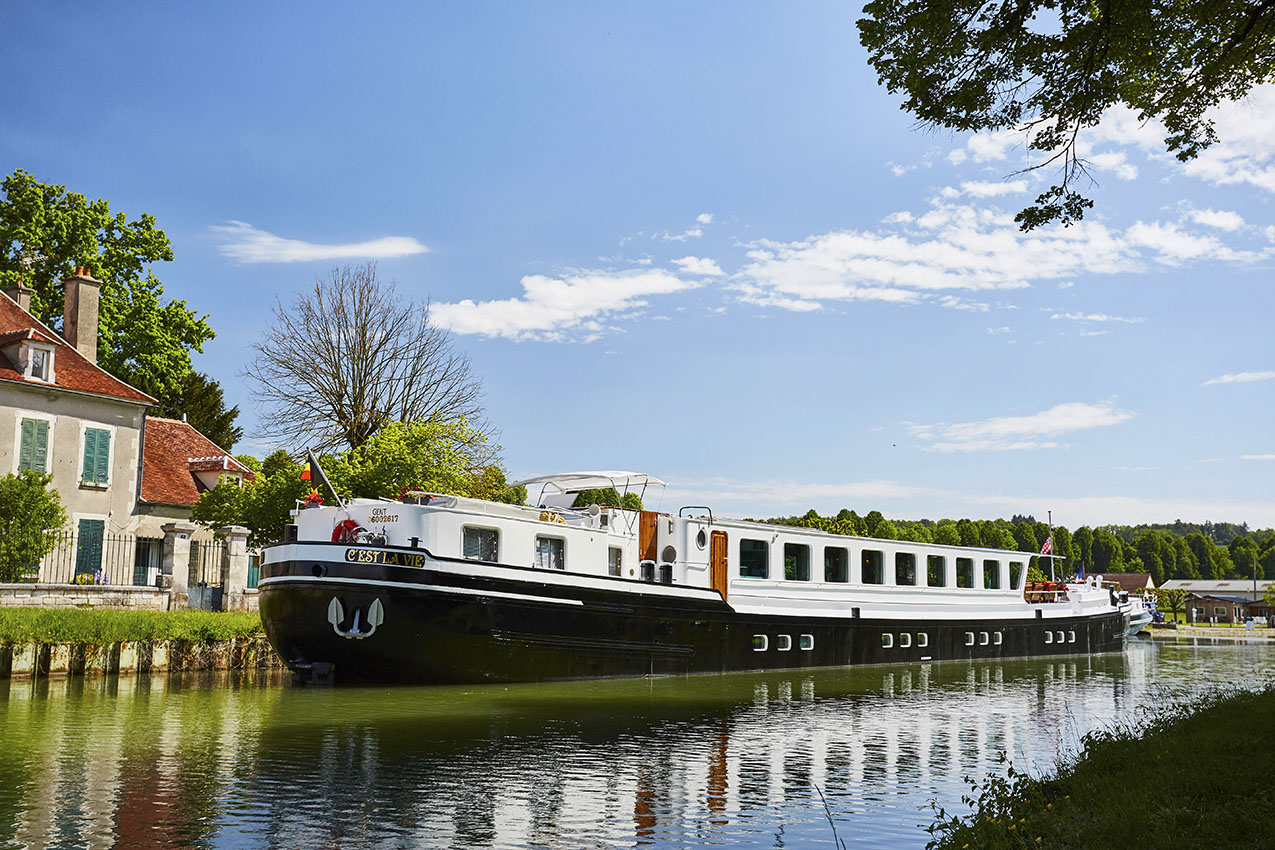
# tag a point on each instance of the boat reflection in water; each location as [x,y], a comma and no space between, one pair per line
[678,762]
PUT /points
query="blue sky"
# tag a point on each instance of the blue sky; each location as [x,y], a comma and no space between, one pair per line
[699,242]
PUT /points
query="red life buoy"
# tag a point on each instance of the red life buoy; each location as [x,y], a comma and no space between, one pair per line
[344,531]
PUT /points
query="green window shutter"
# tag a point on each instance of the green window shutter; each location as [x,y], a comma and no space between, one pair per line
[97,455]
[26,454]
[40,453]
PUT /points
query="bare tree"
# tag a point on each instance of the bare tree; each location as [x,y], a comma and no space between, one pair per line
[350,356]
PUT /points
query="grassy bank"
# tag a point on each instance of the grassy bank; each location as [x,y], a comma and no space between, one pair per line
[99,628]
[1198,774]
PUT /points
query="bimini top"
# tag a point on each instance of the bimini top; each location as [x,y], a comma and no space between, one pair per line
[571,482]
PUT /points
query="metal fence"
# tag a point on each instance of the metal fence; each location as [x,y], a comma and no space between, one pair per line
[68,557]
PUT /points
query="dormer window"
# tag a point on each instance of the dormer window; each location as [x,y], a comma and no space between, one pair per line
[41,360]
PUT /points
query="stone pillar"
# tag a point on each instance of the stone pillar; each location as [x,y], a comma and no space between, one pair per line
[176,563]
[234,567]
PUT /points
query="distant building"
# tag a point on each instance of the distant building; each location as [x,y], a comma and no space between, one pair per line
[1226,601]
[1131,582]
[117,472]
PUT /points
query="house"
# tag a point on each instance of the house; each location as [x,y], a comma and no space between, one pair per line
[1131,582]
[120,474]
[1225,600]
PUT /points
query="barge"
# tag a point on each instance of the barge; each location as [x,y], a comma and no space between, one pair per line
[438,588]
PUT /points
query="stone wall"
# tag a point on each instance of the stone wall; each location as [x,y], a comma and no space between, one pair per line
[83,596]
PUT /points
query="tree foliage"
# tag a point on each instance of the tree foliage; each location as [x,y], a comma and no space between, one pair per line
[1052,68]
[27,509]
[349,357]
[607,497]
[45,232]
[199,398]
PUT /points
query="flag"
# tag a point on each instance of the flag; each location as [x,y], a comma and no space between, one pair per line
[1081,574]
[313,469]
[1048,547]
[305,473]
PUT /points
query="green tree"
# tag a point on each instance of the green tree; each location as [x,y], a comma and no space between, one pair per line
[1052,68]
[947,534]
[1082,539]
[435,456]
[1108,552]
[1172,599]
[264,507]
[28,508]
[1243,552]
[1025,538]
[46,232]
[199,398]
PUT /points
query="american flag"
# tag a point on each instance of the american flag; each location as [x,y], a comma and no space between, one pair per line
[1048,547]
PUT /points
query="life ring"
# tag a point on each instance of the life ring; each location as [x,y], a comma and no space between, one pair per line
[344,531]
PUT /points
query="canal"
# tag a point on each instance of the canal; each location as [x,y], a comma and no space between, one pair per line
[218,761]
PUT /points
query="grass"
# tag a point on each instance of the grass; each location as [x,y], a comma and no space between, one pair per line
[98,628]
[1127,788]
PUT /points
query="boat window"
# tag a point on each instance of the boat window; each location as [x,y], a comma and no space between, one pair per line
[615,558]
[783,643]
[480,544]
[922,639]
[1016,575]
[754,558]
[991,574]
[936,570]
[549,553]
[964,572]
[759,643]
[982,638]
[997,638]
[836,564]
[1060,637]
[1071,637]
[969,638]
[887,640]
[807,642]
[873,567]
[904,568]
[796,562]
[1049,637]
[905,640]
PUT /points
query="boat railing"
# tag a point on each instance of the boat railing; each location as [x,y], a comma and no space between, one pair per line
[1042,592]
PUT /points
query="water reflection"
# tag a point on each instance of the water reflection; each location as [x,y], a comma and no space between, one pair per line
[208,761]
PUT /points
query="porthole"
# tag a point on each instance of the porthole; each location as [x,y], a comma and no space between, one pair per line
[969,638]
[887,640]
[1049,637]
[701,539]
[922,639]
[807,642]
[997,638]
[1071,637]
[905,640]
[783,643]
[670,554]
[1061,637]
[760,643]
[982,639]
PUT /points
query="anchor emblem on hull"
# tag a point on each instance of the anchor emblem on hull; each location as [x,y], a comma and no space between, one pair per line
[375,616]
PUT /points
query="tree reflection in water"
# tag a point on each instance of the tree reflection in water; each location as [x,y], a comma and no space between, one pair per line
[218,761]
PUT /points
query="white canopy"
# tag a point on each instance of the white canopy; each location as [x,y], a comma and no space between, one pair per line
[570,482]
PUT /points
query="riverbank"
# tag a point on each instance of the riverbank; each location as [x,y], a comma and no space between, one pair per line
[1231,633]
[73,642]
[1128,787]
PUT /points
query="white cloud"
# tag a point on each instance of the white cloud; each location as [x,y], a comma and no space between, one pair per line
[1173,245]
[699,266]
[1067,284]
[1240,378]
[1004,329]
[1096,317]
[247,244]
[704,218]
[1011,433]
[1221,219]
[1258,457]
[995,145]
[560,309]
[986,189]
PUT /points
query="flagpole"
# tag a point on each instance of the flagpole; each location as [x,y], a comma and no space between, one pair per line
[1050,514]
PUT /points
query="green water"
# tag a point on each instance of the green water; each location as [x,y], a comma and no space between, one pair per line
[233,762]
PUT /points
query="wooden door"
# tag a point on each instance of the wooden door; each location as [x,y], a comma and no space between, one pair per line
[717,562]
[648,543]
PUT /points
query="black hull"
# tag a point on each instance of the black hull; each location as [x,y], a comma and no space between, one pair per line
[438,626]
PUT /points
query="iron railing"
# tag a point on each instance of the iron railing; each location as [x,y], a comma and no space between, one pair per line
[67,557]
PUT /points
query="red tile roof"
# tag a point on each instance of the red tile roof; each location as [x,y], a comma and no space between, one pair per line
[71,370]
[174,451]
[1130,581]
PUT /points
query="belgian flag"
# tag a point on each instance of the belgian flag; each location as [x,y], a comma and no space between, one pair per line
[314,474]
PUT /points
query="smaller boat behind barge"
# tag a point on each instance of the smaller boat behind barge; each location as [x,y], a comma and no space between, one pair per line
[441,588]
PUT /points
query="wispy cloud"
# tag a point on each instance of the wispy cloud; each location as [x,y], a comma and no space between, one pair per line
[1221,219]
[1097,317]
[1014,433]
[699,266]
[246,244]
[1240,378]
[704,218]
[1258,457]
[562,309]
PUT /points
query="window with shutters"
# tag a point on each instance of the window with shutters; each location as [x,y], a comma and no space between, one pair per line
[33,445]
[480,544]
[97,457]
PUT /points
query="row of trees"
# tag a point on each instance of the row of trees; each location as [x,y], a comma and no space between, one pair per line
[1105,549]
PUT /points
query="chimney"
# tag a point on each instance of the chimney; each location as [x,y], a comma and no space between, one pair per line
[21,295]
[79,312]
